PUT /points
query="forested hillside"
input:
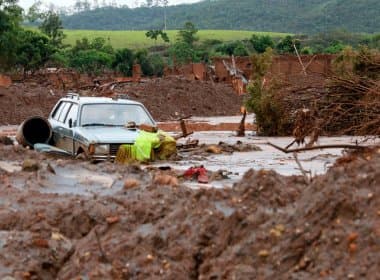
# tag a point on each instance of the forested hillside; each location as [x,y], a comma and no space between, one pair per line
[295,16]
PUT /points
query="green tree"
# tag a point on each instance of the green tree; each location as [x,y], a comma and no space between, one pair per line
[52,27]
[10,20]
[141,57]
[93,56]
[100,44]
[61,58]
[240,50]
[182,53]
[123,61]
[164,36]
[33,51]
[261,99]
[155,34]
[151,65]
[188,34]
[81,44]
[236,48]
[261,43]
[157,64]
[287,44]
[334,48]
[91,61]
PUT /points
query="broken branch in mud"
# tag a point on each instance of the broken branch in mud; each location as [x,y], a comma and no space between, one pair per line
[303,171]
[103,256]
[338,146]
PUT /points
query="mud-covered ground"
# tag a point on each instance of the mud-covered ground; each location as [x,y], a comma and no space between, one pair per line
[266,226]
[167,99]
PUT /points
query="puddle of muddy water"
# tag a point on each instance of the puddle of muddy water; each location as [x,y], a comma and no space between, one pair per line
[316,161]
[76,180]
[82,181]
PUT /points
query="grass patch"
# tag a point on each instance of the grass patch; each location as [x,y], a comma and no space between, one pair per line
[138,40]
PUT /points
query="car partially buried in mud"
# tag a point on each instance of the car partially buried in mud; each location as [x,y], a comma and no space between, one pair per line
[95,127]
[89,127]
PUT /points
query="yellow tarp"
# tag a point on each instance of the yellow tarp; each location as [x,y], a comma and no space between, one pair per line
[148,146]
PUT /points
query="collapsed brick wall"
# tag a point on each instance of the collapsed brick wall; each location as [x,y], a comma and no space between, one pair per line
[5,81]
[284,66]
[287,66]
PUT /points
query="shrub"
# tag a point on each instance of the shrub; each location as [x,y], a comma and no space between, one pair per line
[262,99]
[91,61]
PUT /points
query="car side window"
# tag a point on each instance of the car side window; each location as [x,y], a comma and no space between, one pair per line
[63,114]
[73,114]
[58,111]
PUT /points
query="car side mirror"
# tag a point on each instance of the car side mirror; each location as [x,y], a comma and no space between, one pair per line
[70,123]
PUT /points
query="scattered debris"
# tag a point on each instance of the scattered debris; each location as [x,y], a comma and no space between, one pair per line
[5,140]
[9,167]
[185,133]
[214,149]
[164,179]
[277,226]
[198,173]
[241,129]
[131,183]
[30,165]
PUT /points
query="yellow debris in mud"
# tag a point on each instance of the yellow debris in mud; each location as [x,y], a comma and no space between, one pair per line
[148,146]
[263,253]
[277,231]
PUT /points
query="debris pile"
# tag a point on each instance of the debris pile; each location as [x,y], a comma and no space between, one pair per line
[353,104]
[345,102]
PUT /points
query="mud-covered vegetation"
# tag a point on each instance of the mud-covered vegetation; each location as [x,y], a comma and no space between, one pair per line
[346,101]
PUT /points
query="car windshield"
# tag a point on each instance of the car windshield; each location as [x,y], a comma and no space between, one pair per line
[114,115]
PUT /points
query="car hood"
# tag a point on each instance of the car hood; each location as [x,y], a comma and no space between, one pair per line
[104,134]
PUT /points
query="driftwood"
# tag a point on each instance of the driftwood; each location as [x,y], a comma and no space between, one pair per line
[320,147]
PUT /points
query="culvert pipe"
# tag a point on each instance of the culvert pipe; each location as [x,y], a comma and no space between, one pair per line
[34,130]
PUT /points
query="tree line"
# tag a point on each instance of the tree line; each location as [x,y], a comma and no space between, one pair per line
[27,50]
[290,16]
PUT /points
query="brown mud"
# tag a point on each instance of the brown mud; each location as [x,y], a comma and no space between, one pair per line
[166,99]
[267,226]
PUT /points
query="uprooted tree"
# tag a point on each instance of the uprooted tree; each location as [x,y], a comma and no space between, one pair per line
[353,103]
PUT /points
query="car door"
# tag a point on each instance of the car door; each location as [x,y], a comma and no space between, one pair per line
[69,128]
[62,132]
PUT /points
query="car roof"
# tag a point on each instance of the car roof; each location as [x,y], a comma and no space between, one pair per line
[98,100]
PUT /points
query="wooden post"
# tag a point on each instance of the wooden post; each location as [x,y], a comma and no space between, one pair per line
[300,60]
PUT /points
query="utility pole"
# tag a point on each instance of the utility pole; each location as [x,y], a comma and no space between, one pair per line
[165,2]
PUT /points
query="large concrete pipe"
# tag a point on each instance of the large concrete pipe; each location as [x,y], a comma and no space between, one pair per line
[34,130]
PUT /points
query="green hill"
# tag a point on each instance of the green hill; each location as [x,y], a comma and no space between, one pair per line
[293,16]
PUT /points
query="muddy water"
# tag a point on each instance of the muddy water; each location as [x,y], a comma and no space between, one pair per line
[84,180]
[91,180]
[316,162]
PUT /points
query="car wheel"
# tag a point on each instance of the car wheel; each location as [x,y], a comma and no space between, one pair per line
[81,154]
